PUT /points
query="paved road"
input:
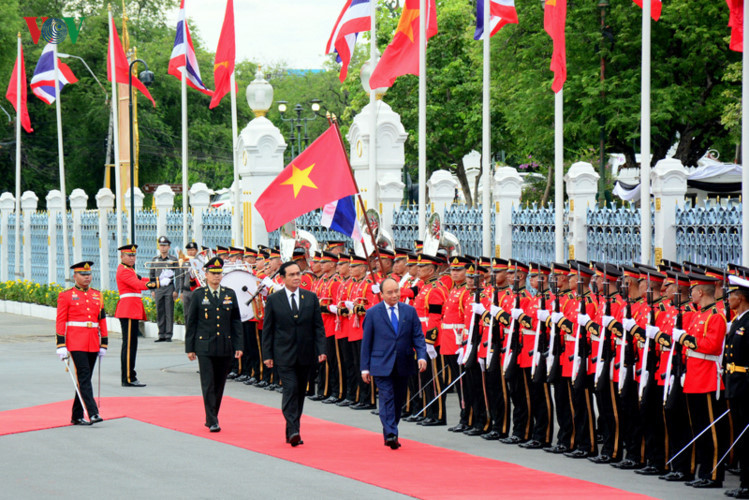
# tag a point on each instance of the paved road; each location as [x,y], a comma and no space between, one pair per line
[134,459]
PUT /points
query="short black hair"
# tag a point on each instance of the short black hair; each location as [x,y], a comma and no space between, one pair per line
[285,266]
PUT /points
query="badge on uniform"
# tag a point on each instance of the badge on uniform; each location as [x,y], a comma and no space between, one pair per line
[227,301]
[740,331]
[206,301]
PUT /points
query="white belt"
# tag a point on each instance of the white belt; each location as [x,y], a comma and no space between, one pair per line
[528,332]
[458,326]
[423,320]
[570,338]
[84,324]
[706,357]
[130,295]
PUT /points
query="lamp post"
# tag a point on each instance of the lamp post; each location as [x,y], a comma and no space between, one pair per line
[298,122]
[146,77]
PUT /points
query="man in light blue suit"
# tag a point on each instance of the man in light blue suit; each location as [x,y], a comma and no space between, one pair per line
[392,344]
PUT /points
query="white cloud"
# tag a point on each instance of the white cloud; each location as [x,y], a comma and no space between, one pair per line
[267,32]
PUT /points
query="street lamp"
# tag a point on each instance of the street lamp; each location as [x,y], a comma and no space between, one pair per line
[146,77]
[298,122]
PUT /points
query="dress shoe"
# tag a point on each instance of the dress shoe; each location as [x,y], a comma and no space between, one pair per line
[95,419]
[734,470]
[134,383]
[168,339]
[676,476]
[694,481]
[491,436]
[708,483]
[214,428]
[232,375]
[600,459]
[393,442]
[331,400]
[532,445]
[577,454]
[432,422]
[278,388]
[80,421]
[626,465]
[295,440]
[473,432]
[261,384]
[461,427]
[415,418]
[242,378]
[739,493]
[270,387]
[316,397]
[250,381]
[557,449]
[363,406]
[375,412]
[511,440]
[344,403]
[649,470]
[160,340]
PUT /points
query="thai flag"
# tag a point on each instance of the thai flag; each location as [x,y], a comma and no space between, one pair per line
[43,81]
[354,18]
[183,47]
[341,216]
[502,12]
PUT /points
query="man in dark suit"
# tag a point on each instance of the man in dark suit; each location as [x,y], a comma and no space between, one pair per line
[392,333]
[213,335]
[293,339]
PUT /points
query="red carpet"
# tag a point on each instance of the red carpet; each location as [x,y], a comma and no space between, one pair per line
[417,469]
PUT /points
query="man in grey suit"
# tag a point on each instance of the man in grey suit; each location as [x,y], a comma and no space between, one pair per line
[165,296]
[293,339]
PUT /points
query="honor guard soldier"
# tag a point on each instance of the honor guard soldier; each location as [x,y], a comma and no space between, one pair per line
[82,334]
[165,295]
[326,291]
[213,334]
[188,280]
[130,310]
[364,295]
[300,257]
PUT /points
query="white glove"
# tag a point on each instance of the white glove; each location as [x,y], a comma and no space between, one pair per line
[333,309]
[102,352]
[267,283]
[495,310]
[628,324]
[728,327]
[349,305]
[651,331]
[166,273]
[606,320]
[460,356]
[556,317]
[375,288]
[62,352]
[431,351]
[516,313]
[542,315]
[482,364]
[582,319]
[164,281]
[478,308]
[677,334]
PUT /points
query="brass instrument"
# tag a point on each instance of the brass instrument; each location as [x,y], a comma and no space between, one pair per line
[437,239]
[383,238]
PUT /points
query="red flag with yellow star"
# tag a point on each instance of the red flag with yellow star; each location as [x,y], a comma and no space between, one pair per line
[319,175]
[401,57]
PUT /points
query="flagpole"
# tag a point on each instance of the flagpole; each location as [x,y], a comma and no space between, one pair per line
[373,105]
[645,236]
[61,160]
[184,150]
[116,130]
[558,173]
[422,115]
[745,146]
[486,149]
[236,213]
[17,252]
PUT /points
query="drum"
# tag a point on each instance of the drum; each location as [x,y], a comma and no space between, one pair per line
[244,285]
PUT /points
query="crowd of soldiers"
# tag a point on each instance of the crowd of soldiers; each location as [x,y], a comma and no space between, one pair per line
[639,367]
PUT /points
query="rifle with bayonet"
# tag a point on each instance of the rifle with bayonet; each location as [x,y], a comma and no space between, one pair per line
[672,388]
[648,359]
[580,356]
[556,342]
[512,339]
[474,335]
[624,366]
[603,357]
[538,365]
[493,339]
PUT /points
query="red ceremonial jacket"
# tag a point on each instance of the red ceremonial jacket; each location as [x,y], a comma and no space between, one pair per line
[130,285]
[80,320]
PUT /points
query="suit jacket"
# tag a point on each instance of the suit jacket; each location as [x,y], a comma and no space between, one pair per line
[383,348]
[737,352]
[213,326]
[288,340]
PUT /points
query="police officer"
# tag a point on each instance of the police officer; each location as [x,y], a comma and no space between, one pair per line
[214,335]
[82,335]
[164,296]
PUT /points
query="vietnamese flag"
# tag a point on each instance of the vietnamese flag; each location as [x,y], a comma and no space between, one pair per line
[12,93]
[736,23]
[319,175]
[555,16]
[655,8]
[121,66]
[401,57]
[223,64]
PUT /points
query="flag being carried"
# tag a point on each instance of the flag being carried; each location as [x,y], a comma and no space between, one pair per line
[401,57]
[12,93]
[501,12]
[183,54]
[223,64]
[655,8]
[43,81]
[122,68]
[354,19]
[555,17]
[319,175]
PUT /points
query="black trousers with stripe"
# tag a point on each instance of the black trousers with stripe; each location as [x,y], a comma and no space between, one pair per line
[522,411]
[704,410]
[564,403]
[130,329]
[84,363]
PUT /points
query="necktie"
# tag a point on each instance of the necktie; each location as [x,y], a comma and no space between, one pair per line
[294,308]
[393,319]
[215,294]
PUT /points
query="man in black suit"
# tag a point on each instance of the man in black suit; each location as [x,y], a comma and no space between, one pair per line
[213,335]
[293,339]
[392,343]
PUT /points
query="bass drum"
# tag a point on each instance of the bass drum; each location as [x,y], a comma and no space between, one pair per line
[244,284]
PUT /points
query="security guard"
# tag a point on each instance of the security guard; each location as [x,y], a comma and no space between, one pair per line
[165,295]
[214,346]
[82,334]
[130,310]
